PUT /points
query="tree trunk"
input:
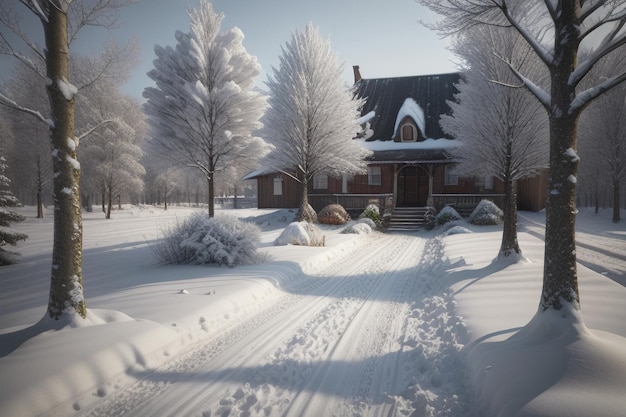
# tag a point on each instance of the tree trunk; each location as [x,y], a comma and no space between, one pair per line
[509,243]
[39,204]
[305,212]
[211,196]
[104,198]
[109,204]
[616,197]
[66,284]
[560,278]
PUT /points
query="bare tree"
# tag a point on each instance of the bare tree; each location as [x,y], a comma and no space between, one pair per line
[503,130]
[567,24]
[204,107]
[61,21]
[312,119]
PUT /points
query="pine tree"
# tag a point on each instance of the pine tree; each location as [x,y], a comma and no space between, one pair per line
[8,236]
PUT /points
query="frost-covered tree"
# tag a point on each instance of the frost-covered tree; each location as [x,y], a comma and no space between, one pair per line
[603,137]
[503,130]
[312,119]
[7,200]
[204,109]
[61,21]
[557,32]
[112,154]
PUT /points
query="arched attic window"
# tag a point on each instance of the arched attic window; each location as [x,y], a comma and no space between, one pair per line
[410,114]
[409,131]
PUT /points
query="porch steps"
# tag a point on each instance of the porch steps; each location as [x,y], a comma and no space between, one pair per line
[407,219]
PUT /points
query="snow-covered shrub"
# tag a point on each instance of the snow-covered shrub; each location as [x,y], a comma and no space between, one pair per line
[307,215]
[360,228]
[372,212]
[301,233]
[448,214]
[333,214]
[486,213]
[367,221]
[198,239]
[430,218]
[456,230]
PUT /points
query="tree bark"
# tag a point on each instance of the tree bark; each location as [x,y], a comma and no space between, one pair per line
[510,244]
[616,202]
[560,277]
[211,196]
[66,285]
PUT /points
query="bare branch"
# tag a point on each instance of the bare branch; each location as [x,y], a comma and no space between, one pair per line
[6,101]
[96,127]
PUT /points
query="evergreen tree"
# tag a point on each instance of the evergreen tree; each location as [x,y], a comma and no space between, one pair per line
[8,236]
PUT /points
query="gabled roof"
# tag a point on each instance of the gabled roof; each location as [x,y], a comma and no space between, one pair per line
[385,96]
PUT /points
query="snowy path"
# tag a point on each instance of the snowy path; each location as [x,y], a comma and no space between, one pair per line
[372,334]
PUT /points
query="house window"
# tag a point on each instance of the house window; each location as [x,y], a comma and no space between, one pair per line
[450,178]
[374,176]
[320,181]
[489,182]
[408,133]
[278,185]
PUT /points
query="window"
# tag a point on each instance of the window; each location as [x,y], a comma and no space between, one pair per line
[450,178]
[320,182]
[374,176]
[407,134]
[489,182]
[278,185]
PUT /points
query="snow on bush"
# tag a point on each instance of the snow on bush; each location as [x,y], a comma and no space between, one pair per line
[198,239]
[333,214]
[456,230]
[308,214]
[448,214]
[301,233]
[360,228]
[372,212]
[486,213]
[367,221]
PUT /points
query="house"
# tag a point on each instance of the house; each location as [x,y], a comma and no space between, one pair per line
[411,162]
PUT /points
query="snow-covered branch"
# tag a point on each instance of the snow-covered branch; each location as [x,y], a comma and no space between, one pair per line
[96,127]
[585,97]
[6,101]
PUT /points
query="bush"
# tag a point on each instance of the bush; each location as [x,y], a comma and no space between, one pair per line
[430,218]
[307,215]
[301,233]
[367,221]
[448,214]
[361,228]
[333,214]
[486,213]
[198,239]
[372,212]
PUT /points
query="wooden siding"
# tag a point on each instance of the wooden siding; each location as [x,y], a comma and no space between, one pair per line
[532,193]
[266,197]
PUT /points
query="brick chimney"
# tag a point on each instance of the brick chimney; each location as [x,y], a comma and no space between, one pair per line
[357,73]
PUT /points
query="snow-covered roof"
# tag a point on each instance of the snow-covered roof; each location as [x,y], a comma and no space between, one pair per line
[389,98]
[413,110]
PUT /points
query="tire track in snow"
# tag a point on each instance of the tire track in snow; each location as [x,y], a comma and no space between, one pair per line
[355,341]
[152,383]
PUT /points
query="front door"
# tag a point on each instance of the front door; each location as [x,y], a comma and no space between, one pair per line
[412,187]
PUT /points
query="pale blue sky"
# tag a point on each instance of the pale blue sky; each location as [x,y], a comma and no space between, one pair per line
[384,38]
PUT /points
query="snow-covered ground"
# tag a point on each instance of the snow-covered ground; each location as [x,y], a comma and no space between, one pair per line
[369,325]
